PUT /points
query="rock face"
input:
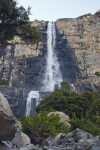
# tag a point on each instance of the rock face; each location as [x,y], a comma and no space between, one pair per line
[7,121]
[78,42]
[23,66]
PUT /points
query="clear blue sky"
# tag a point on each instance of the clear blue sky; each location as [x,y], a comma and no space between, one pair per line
[50,10]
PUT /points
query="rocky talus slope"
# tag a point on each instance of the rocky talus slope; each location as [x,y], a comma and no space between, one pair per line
[79,39]
[76,140]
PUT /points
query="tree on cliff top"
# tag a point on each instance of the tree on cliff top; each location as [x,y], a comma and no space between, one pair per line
[14,20]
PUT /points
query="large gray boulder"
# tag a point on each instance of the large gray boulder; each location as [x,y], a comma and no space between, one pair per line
[20,140]
[79,134]
[7,120]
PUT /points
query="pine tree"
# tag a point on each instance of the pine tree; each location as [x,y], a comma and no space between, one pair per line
[14,20]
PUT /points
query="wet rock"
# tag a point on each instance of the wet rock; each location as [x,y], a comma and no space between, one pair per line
[7,120]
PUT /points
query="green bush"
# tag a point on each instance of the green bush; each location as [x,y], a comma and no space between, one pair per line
[86,124]
[65,85]
[67,102]
[42,126]
[4,82]
[97,73]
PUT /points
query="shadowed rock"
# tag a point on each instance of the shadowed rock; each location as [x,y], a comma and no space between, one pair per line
[7,121]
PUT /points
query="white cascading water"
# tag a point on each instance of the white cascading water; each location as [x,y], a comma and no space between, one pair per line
[53,76]
[31,95]
[73,87]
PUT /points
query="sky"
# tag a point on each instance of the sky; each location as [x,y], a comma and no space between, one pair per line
[51,10]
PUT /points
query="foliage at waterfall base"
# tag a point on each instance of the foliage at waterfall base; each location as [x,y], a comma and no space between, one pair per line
[84,109]
[42,126]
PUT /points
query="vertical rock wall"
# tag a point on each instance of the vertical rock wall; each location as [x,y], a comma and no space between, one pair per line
[79,40]
[23,66]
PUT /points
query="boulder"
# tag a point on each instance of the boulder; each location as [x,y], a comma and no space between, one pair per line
[59,136]
[49,142]
[7,120]
[20,140]
[3,146]
[85,144]
[28,147]
[96,141]
[79,134]
[63,117]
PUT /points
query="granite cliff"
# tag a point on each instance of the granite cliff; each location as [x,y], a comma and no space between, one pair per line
[79,40]
[23,66]
[78,52]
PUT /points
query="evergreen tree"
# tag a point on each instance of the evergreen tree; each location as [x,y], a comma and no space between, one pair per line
[14,20]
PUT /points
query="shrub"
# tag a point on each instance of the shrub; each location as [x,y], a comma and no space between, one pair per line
[14,21]
[65,85]
[97,73]
[4,82]
[67,102]
[86,124]
[86,108]
[42,126]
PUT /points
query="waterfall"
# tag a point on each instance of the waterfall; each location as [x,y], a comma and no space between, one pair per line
[73,87]
[53,76]
[31,95]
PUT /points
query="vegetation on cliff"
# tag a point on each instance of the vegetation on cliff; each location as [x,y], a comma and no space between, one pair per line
[14,20]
